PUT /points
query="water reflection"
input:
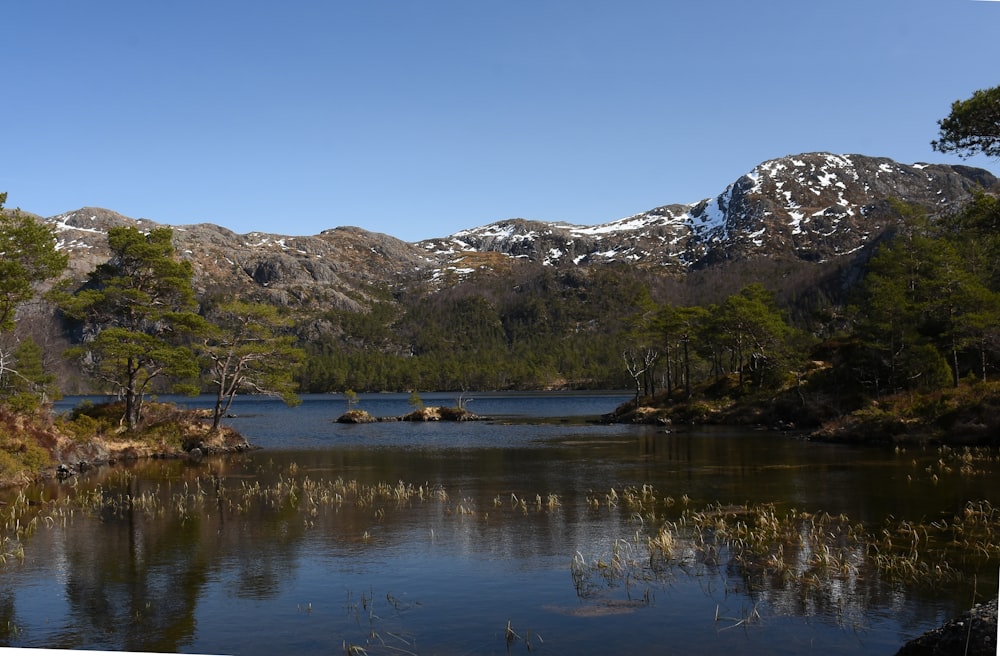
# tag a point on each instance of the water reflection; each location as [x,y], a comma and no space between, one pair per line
[256,553]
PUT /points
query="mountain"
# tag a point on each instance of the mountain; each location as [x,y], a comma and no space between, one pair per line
[332,268]
[810,208]
[533,304]
[813,207]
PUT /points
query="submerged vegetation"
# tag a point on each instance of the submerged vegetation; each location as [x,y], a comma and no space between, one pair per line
[758,557]
[760,542]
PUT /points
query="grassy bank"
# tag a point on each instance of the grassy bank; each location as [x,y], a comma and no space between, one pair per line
[965,415]
[37,445]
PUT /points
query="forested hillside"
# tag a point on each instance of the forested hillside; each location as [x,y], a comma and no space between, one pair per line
[523,304]
[532,328]
[829,279]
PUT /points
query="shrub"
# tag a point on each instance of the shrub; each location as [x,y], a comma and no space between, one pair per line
[20,454]
[693,412]
[81,428]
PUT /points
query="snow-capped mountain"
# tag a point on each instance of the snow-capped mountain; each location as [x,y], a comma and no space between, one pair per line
[814,207]
[811,207]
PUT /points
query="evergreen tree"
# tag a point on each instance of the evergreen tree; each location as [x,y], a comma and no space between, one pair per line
[756,335]
[24,383]
[246,352]
[28,256]
[973,126]
[137,310]
[679,328]
[907,310]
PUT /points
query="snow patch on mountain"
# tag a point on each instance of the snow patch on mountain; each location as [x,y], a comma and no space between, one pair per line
[812,206]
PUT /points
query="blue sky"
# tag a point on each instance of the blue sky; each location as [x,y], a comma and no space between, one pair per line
[419,118]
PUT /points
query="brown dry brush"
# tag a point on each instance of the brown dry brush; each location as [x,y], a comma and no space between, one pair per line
[795,546]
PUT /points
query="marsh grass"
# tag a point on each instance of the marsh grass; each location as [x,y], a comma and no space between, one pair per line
[373,617]
[761,541]
[19,519]
[815,552]
[511,637]
[748,616]
[756,547]
[785,554]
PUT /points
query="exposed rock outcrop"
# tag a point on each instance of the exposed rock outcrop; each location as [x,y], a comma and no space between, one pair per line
[972,634]
[808,208]
[811,207]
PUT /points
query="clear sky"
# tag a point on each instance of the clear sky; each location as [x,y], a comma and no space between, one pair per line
[420,118]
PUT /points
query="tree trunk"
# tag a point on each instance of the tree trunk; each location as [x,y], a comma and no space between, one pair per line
[217,410]
[687,370]
[131,396]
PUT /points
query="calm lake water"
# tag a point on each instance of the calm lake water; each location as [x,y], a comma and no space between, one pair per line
[507,536]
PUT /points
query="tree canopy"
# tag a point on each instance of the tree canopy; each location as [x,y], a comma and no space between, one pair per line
[973,126]
[245,351]
[136,310]
[28,256]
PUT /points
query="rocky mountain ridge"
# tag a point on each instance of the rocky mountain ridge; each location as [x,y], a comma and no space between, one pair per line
[811,207]
[333,267]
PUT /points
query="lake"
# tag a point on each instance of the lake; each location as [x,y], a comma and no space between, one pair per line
[535,531]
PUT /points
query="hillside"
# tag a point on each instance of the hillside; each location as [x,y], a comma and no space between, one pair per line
[547,300]
[813,207]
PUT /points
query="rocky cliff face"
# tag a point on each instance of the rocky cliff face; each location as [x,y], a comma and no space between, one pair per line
[811,207]
[820,206]
[333,269]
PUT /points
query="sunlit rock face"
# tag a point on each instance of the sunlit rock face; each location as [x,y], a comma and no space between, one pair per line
[812,207]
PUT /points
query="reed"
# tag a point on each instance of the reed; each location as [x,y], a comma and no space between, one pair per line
[762,543]
[808,549]
[747,617]
[511,637]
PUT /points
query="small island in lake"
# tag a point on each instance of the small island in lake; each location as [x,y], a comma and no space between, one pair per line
[432,413]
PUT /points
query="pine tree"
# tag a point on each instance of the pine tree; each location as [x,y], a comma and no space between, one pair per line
[136,311]
[752,329]
[28,256]
[245,351]
[973,126]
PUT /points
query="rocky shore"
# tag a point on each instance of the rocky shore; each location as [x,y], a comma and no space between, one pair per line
[79,458]
[972,634]
[435,413]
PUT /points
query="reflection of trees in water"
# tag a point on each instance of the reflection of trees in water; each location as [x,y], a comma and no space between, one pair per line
[135,577]
[264,542]
[133,580]
[8,619]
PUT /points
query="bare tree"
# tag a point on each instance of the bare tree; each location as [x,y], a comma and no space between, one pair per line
[638,361]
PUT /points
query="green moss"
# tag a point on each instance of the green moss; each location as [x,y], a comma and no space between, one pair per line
[81,428]
[164,433]
[21,455]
